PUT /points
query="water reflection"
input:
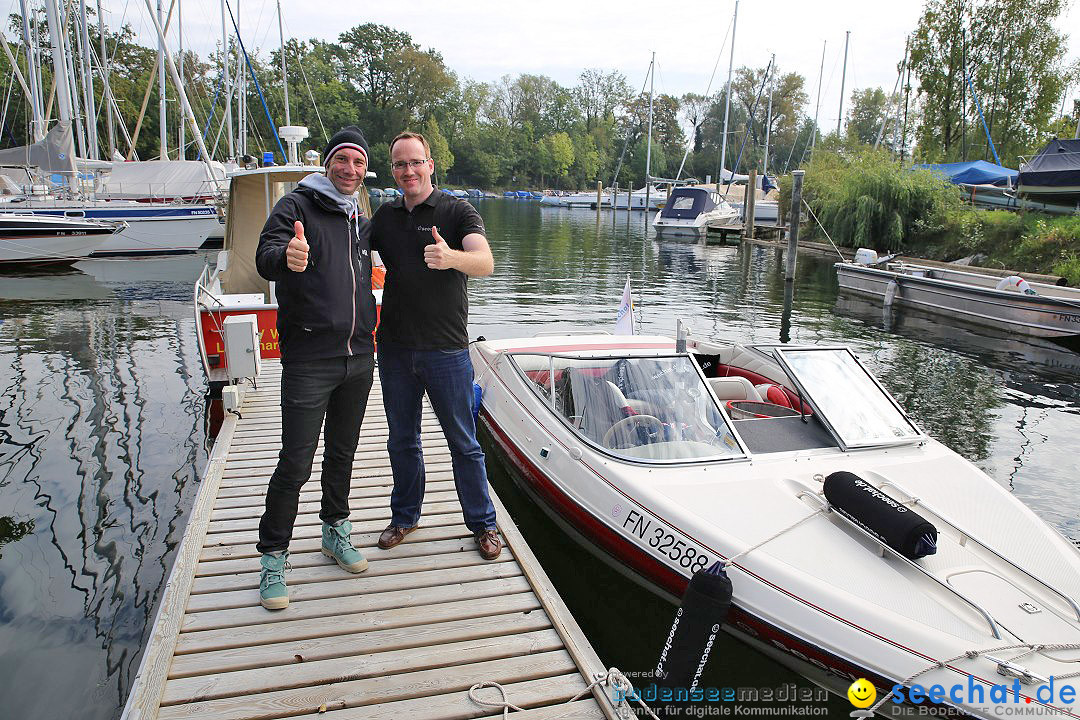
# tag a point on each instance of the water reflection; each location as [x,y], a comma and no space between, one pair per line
[99,447]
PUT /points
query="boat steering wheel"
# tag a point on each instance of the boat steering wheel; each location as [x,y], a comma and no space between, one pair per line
[651,424]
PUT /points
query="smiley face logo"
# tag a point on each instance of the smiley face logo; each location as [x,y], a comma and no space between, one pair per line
[862,693]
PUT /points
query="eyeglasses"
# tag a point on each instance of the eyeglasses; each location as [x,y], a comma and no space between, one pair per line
[402,164]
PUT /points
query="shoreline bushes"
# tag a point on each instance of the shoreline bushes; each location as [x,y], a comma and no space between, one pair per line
[864,198]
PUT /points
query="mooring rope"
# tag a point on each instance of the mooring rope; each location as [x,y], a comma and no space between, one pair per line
[613,678]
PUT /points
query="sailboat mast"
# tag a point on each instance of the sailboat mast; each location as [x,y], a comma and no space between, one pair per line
[185,106]
[63,97]
[768,124]
[648,144]
[727,94]
[843,80]
[110,122]
[181,150]
[38,122]
[227,70]
[284,72]
[241,95]
[163,137]
[817,108]
[73,95]
[88,84]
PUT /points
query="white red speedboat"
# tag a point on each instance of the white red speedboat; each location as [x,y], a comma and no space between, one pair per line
[234,286]
[666,462]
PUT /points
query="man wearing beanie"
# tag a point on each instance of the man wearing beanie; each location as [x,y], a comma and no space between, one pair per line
[316,247]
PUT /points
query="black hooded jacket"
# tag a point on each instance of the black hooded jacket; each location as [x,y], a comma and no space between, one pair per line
[328,310]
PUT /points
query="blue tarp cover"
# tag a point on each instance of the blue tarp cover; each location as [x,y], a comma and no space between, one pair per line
[977,172]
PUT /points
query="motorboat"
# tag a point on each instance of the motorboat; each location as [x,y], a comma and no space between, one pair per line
[691,211]
[38,240]
[1053,175]
[234,287]
[794,469]
[1009,304]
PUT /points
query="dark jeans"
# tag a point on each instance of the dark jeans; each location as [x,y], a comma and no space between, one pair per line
[337,390]
[447,376]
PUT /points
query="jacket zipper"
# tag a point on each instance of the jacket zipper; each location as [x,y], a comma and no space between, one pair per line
[352,271]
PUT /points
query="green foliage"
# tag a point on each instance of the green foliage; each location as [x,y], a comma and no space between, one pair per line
[440,149]
[1025,242]
[1016,60]
[865,199]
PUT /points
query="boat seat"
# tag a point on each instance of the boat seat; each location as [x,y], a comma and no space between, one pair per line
[734,387]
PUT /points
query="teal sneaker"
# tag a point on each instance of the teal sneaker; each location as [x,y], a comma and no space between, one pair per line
[273,595]
[336,544]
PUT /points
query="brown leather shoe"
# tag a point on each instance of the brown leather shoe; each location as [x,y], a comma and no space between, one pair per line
[393,535]
[489,544]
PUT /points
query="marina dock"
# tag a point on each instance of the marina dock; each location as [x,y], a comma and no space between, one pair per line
[406,638]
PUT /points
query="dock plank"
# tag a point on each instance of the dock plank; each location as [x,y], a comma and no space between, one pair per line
[408,637]
[450,706]
[358,666]
[273,655]
[346,623]
[369,691]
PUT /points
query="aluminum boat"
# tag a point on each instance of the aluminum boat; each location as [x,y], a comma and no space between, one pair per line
[1010,304]
[664,462]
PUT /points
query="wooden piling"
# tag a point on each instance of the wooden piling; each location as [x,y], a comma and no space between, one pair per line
[793,223]
[748,208]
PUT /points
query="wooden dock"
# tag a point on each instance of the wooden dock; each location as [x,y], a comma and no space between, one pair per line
[405,639]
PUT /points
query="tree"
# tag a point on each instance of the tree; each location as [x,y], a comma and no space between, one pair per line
[1014,59]
[440,149]
[599,94]
[868,110]
[557,153]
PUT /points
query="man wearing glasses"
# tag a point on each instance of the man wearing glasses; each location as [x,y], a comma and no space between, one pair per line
[431,244]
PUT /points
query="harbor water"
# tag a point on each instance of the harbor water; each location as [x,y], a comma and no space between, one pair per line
[104,429]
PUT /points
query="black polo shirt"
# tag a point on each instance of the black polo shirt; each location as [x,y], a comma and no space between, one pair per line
[423,309]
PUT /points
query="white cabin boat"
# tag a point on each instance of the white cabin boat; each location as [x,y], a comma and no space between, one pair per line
[234,286]
[691,211]
[36,240]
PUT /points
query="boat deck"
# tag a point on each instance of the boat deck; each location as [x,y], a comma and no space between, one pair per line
[406,638]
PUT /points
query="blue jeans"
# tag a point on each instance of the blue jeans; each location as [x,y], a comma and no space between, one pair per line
[335,389]
[447,376]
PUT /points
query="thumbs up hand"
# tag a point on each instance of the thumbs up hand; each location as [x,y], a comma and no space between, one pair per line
[296,254]
[438,256]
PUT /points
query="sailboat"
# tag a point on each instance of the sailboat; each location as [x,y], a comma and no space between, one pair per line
[58,187]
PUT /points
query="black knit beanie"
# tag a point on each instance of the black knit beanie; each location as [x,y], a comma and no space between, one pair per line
[348,137]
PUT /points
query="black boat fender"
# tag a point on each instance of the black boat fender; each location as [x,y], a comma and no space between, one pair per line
[884,517]
[695,631]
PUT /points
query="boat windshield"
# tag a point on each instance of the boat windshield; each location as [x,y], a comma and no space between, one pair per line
[847,397]
[652,409]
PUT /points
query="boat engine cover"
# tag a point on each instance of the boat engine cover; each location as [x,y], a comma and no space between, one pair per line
[897,526]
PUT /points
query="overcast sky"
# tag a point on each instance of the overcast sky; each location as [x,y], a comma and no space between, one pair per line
[485,40]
